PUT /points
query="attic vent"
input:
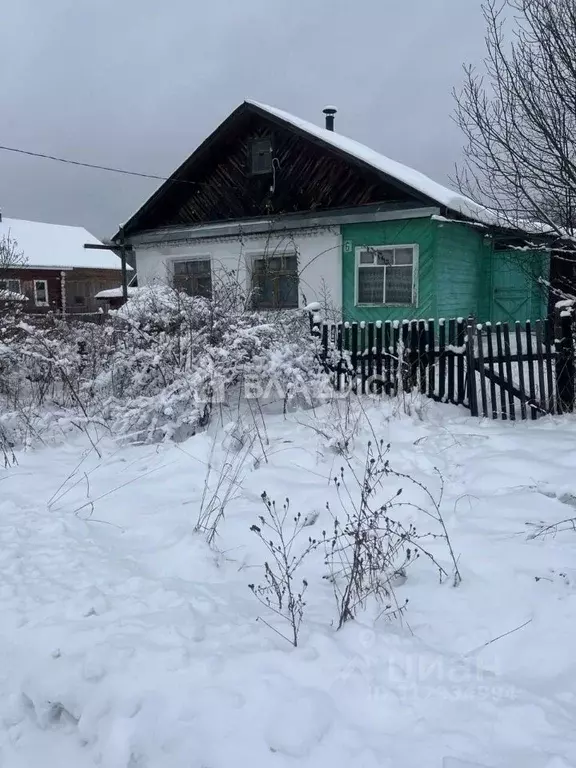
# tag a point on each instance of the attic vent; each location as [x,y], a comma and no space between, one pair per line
[260,156]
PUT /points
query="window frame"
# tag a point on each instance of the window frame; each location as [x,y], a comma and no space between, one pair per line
[255,256]
[11,280]
[41,303]
[72,295]
[251,146]
[415,269]
[193,257]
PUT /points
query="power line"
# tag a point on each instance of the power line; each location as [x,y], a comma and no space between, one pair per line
[100,167]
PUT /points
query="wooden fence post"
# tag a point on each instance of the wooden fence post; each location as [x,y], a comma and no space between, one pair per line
[565,361]
[315,323]
[471,370]
[461,345]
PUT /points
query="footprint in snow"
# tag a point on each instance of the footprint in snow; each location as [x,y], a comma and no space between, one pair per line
[299,723]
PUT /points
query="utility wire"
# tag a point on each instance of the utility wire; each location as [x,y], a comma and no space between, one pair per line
[100,167]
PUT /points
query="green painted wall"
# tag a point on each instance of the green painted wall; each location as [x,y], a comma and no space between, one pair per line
[459,273]
[515,290]
[402,232]
[458,269]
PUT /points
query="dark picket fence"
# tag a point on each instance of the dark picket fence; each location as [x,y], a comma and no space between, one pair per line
[493,370]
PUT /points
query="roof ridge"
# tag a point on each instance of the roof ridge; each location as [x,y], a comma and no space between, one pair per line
[405,174]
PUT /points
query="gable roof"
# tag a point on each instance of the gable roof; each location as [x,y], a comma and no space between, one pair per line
[393,170]
[403,177]
[53,246]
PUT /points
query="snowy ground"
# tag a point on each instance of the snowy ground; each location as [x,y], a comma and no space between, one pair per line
[127,643]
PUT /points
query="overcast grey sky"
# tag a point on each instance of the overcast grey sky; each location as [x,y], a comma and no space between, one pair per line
[139,83]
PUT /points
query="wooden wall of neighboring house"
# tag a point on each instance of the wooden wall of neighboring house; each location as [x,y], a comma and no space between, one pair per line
[81,285]
[27,279]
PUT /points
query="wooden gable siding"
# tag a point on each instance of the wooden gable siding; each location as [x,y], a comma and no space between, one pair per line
[309,177]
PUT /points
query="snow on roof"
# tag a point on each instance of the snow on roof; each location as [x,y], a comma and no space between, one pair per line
[57,246]
[402,173]
[6,295]
[115,293]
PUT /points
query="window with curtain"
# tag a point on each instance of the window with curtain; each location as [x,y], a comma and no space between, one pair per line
[194,277]
[275,282]
[386,275]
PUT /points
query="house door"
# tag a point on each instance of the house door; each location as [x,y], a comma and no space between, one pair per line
[511,288]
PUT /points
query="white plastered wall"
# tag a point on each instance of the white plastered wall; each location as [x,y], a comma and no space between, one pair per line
[319,260]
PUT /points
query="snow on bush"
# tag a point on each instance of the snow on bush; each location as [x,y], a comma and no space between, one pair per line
[159,365]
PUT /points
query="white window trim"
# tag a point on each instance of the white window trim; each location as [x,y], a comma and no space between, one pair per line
[12,280]
[41,303]
[261,254]
[415,270]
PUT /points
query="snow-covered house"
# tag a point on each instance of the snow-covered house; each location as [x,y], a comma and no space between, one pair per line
[52,269]
[300,213]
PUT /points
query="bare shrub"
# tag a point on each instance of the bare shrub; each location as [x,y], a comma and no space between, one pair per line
[217,497]
[6,449]
[368,551]
[339,428]
[283,590]
[541,530]
[363,551]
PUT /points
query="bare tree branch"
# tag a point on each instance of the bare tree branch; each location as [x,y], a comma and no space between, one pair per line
[11,257]
[518,115]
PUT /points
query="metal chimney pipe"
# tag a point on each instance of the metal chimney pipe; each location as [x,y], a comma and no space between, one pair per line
[329,112]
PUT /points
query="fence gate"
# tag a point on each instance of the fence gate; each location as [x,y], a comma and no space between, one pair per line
[487,368]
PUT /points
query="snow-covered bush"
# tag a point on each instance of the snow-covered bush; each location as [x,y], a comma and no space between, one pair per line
[159,365]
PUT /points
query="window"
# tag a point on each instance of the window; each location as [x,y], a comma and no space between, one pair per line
[260,156]
[77,292]
[41,293]
[10,285]
[194,277]
[275,282]
[385,275]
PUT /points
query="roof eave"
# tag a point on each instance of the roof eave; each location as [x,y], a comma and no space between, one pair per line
[174,177]
[249,107]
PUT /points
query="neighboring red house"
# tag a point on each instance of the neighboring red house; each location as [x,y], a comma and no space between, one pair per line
[59,274]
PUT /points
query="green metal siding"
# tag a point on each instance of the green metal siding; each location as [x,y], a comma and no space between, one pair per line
[405,232]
